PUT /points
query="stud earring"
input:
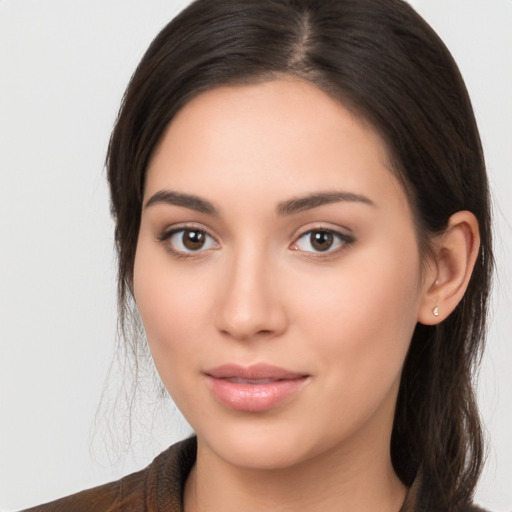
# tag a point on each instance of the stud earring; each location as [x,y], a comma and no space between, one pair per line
[436,311]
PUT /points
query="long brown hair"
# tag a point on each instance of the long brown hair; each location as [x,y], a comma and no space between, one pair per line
[381,60]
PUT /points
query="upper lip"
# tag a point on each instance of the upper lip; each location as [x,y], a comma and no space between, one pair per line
[256,371]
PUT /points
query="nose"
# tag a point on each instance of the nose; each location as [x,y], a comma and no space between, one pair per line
[250,304]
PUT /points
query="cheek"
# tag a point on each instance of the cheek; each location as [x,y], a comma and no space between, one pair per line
[363,318]
[168,302]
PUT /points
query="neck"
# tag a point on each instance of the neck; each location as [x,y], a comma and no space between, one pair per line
[360,478]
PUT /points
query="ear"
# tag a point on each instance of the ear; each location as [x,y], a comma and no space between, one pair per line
[450,267]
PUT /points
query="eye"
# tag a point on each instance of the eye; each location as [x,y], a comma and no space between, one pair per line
[321,240]
[188,240]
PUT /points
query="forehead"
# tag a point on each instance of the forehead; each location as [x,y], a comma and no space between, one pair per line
[283,136]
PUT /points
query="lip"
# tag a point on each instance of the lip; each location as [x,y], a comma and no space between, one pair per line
[253,388]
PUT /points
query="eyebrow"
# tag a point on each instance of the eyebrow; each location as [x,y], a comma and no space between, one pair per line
[319,199]
[289,207]
[185,200]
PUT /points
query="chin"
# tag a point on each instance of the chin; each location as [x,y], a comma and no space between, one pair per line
[263,446]
[257,456]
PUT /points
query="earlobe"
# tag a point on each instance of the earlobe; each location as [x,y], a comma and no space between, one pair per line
[454,255]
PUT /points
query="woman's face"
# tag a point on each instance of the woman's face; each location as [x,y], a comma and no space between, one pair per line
[277,274]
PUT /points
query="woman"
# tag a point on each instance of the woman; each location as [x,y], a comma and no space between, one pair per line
[302,219]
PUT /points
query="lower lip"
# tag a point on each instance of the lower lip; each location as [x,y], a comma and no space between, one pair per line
[254,397]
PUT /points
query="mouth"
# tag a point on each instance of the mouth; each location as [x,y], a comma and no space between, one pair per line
[254,388]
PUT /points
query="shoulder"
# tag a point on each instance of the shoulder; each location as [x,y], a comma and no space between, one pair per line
[98,498]
[141,491]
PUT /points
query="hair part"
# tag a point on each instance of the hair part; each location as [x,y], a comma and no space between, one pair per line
[383,62]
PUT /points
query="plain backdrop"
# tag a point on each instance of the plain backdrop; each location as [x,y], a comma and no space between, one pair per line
[63,68]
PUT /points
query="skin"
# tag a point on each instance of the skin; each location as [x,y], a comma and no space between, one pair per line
[258,291]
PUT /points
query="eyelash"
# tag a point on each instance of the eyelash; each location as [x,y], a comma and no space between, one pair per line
[167,236]
[342,241]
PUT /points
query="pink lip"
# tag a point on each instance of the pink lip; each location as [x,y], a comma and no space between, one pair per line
[253,388]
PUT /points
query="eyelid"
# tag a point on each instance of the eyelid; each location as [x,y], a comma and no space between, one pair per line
[166,234]
[345,239]
[174,228]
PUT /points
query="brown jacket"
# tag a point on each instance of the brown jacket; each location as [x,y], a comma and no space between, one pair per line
[158,488]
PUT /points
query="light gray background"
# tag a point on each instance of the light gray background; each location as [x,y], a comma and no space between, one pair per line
[63,68]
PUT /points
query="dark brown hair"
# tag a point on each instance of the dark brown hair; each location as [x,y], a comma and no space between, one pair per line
[380,59]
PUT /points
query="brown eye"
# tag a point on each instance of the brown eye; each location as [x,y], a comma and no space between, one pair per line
[321,240]
[193,240]
[188,240]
